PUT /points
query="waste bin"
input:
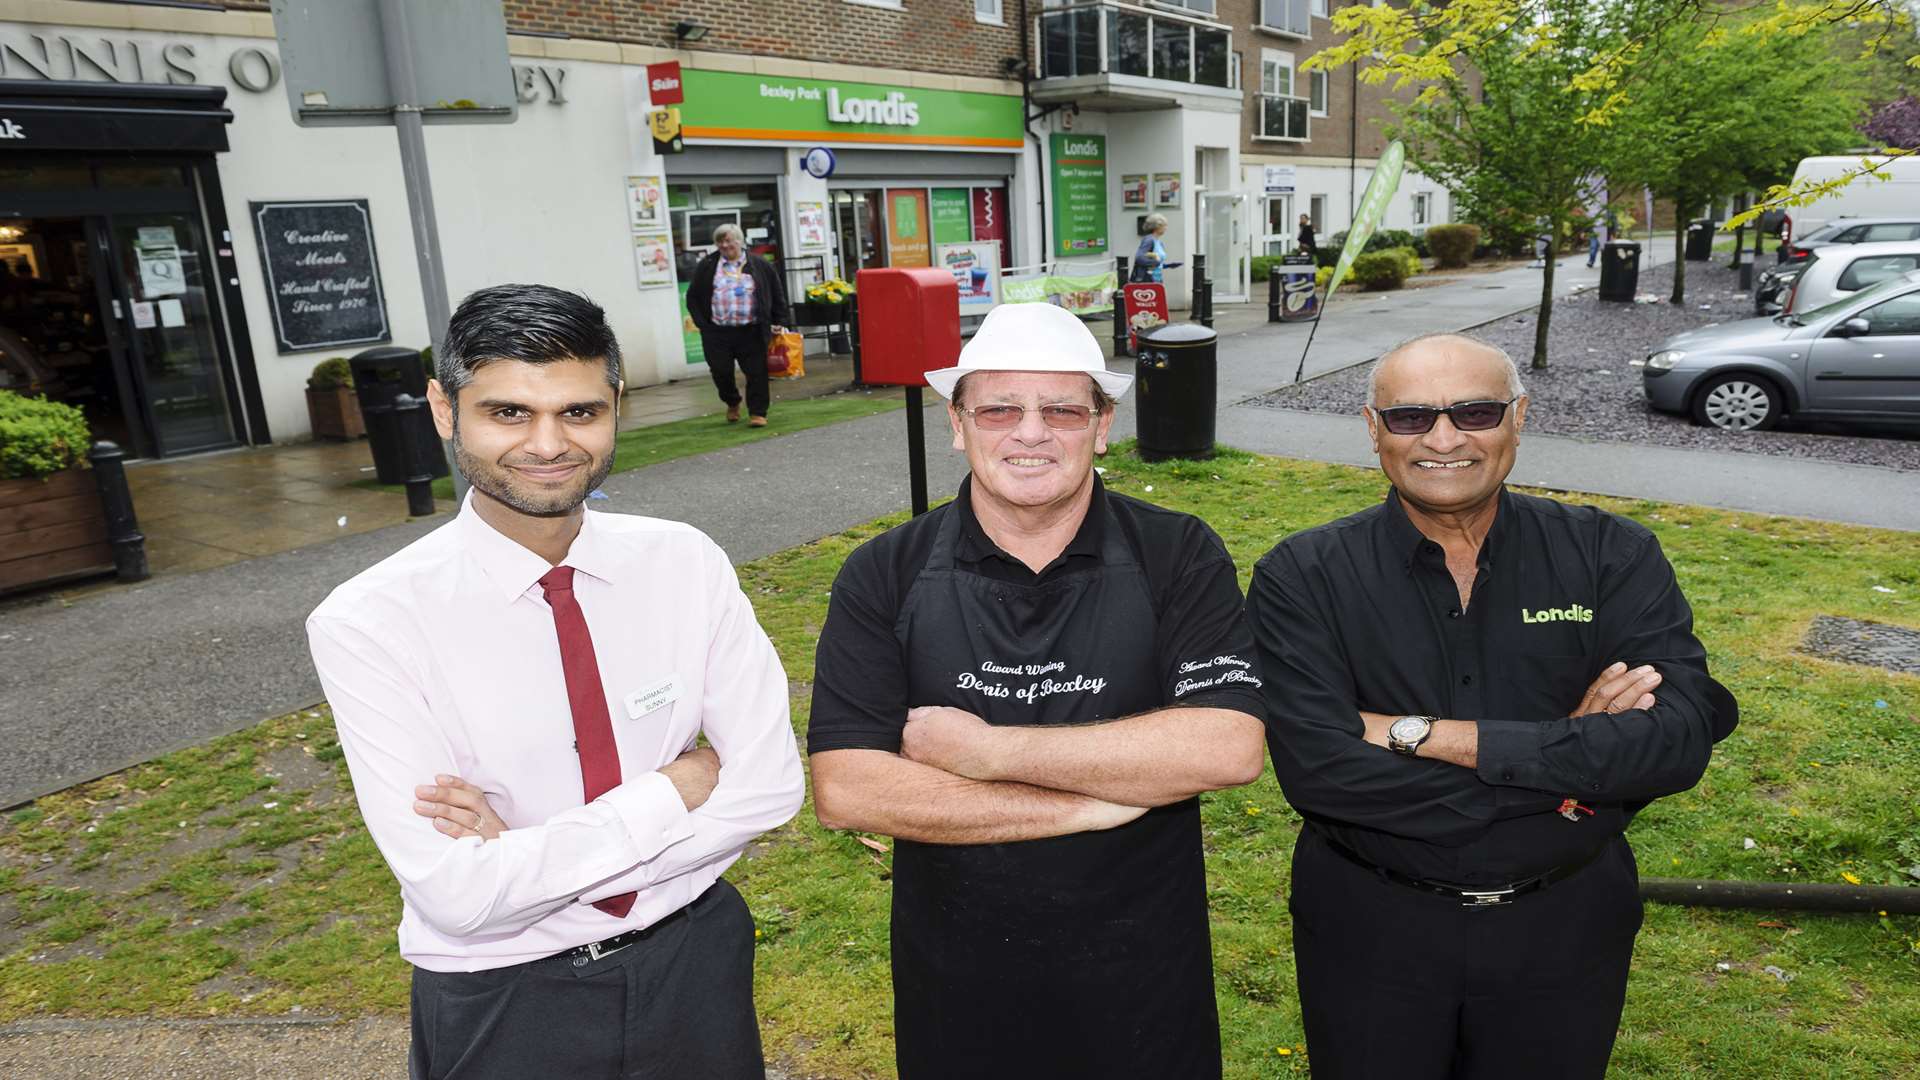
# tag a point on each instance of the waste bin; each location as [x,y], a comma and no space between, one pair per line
[1700,241]
[379,376]
[1298,303]
[1175,379]
[1619,270]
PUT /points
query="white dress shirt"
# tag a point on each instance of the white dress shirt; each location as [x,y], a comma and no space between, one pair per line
[443,658]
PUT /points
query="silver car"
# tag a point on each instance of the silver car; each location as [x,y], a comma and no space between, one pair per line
[1857,357]
[1840,270]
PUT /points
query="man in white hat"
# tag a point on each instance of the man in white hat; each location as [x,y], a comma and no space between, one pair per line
[1029,687]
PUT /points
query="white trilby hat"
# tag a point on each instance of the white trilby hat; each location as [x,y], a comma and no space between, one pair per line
[1031,337]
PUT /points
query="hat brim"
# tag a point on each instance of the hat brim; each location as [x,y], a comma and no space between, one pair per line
[943,380]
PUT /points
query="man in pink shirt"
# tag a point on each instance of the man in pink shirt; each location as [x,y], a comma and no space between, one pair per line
[520,695]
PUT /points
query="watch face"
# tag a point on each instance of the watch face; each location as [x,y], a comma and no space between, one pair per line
[1407,729]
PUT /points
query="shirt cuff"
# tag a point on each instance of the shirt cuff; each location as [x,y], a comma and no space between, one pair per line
[651,809]
[1509,754]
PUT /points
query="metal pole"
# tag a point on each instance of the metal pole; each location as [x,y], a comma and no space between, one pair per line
[917,450]
[123,531]
[397,39]
[1120,305]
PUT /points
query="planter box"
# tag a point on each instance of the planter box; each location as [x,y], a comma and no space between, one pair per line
[52,530]
[811,313]
[335,413]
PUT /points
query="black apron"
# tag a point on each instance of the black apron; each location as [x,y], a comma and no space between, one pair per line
[1076,956]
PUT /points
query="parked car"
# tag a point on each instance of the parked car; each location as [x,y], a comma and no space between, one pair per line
[1899,193]
[1842,269]
[1858,357]
[1770,288]
[1849,230]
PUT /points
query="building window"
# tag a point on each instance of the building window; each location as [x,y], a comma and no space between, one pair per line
[1278,239]
[1317,93]
[1320,8]
[1423,208]
[1276,72]
[1282,115]
[1286,17]
[1317,213]
[890,5]
[987,11]
[1204,7]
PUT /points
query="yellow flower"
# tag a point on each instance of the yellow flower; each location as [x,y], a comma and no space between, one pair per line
[1283,1051]
[1852,879]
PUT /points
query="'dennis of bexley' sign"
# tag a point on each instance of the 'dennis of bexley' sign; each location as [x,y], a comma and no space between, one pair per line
[322,273]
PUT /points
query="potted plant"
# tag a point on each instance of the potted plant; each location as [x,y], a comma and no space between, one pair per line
[52,525]
[332,408]
[825,303]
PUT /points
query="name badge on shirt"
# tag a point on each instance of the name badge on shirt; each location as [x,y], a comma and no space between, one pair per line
[653,696]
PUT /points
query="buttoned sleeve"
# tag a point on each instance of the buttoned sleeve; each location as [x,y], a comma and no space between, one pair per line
[468,887]
[745,715]
[1639,754]
[1315,734]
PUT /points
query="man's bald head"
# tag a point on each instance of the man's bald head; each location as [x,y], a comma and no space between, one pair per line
[1410,362]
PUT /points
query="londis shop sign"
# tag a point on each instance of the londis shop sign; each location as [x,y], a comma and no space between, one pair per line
[765,108]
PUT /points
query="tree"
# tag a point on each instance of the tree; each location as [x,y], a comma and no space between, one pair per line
[1896,124]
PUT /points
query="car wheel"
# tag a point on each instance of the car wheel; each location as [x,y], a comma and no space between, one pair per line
[1738,402]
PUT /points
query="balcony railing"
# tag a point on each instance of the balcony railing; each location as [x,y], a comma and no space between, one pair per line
[1283,117]
[1119,39]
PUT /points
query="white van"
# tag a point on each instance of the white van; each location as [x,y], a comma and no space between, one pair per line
[1865,196]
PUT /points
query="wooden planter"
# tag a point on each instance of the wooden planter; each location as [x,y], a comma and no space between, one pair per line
[335,413]
[51,530]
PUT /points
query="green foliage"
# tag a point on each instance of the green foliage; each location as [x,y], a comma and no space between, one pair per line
[426,363]
[1378,270]
[39,437]
[1453,245]
[1408,257]
[1321,276]
[1405,238]
[329,373]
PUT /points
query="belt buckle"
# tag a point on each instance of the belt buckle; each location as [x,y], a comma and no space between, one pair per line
[594,950]
[1487,898]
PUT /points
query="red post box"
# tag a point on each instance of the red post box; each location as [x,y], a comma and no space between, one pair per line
[909,323]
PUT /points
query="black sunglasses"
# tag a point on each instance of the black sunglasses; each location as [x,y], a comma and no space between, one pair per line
[1466,416]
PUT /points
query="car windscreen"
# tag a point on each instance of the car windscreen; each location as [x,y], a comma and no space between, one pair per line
[1875,269]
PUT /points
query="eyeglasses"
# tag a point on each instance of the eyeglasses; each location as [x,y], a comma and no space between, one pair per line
[1466,416]
[1006,417]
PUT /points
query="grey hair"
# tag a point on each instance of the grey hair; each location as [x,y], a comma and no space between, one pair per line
[725,228]
[1155,222]
[1514,386]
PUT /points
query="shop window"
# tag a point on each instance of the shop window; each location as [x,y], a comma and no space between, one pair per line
[698,209]
[43,176]
[124,177]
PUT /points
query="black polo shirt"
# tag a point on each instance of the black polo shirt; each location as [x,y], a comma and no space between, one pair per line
[1362,614]
[860,684]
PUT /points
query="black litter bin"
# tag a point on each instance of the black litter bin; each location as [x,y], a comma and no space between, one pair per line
[1619,270]
[379,376]
[1176,375]
[1700,241]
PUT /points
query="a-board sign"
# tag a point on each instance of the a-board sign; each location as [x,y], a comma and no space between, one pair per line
[322,273]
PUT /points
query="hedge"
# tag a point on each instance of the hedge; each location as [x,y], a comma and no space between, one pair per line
[1408,256]
[1379,270]
[1453,245]
[39,437]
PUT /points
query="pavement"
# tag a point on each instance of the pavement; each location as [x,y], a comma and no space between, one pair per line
[120,676]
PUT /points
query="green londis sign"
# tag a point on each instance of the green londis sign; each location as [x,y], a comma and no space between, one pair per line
[952,216]
[1079,195]
[770,108]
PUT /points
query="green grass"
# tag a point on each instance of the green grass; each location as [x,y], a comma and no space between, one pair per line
[1819,774]
[697,435]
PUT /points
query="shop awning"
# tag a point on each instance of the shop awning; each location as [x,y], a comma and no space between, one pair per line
[52,115]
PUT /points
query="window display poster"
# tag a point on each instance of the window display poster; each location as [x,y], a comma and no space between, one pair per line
[1133,191]
[990,219]
[812,219]
[907,238]
[653,259]
[976,269]
[689,333]
[158,253]
[1166,189]
[952,216]
[1079,195]
[646,203]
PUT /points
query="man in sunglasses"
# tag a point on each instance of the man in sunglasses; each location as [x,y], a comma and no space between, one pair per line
[1028,687]
[1470,693]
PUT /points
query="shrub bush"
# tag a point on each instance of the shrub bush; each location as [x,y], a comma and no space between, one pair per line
[329,373]
[1263,265]
[39,437]
[1326,255]
[1408,257]
[1393,238]
[1378,270]
[1321,276]
[1453,245]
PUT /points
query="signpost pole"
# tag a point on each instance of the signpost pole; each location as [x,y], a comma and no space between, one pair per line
[396,37]
[917,449]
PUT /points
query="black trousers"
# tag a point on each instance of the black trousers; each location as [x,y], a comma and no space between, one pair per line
[1396,982]
[674,1005]
[746,346]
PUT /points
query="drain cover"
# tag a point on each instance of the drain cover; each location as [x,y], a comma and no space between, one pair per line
[1856,641]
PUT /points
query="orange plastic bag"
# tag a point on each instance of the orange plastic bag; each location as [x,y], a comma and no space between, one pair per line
[786,356]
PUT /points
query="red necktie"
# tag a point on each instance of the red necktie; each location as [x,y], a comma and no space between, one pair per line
[592,727]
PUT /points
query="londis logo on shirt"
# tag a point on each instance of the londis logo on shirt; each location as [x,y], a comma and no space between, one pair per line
[1576,613]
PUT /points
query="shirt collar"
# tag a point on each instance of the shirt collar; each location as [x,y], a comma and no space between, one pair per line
[1406,538]
[975,544]
[513,569]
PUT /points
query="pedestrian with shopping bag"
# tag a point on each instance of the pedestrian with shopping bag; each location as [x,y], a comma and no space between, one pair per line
[739,304]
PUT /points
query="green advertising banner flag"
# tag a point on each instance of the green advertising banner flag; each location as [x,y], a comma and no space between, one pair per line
[1079,195]
[952,216]
[1373,206]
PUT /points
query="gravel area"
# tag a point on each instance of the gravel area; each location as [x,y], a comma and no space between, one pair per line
[1589,392]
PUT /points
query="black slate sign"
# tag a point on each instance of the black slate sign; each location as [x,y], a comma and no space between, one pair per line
[322,273]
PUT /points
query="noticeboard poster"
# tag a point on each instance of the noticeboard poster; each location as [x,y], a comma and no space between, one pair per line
[322,273]
[1133,191]
[1079,195]
[1166,190]
[976,269]
[646,203]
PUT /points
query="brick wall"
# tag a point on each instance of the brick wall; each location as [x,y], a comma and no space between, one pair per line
[1333,134]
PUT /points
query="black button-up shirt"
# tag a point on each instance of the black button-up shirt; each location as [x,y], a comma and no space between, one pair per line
[1362,614]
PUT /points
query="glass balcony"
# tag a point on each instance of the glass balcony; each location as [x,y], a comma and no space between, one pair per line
[1120,39]
[1283,117]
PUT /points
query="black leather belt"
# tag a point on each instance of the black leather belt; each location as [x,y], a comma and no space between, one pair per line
[1468,896]
[581,955]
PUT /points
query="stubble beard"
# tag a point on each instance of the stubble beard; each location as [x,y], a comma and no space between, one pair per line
[494,481]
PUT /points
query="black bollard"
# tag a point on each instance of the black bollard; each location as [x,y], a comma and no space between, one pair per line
[1119,305]
[1273,293]
[853,336]
[409,414]
[123,532]
[1202,293]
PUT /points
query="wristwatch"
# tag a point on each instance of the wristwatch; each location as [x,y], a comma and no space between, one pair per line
[1405,735]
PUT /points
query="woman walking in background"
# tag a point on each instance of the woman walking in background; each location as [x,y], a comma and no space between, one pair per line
[1150,258]
[738,302]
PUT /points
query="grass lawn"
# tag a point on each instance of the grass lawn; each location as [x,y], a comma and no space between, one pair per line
[234,878]
[699,434]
